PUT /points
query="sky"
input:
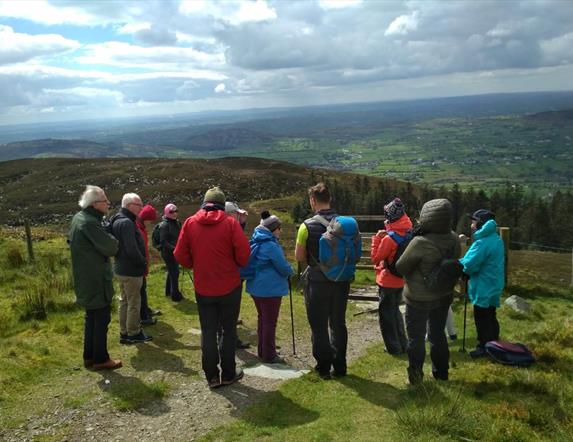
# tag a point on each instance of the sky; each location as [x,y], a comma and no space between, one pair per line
[69,59]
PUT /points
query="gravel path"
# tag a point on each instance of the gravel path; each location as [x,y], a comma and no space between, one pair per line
[188,411]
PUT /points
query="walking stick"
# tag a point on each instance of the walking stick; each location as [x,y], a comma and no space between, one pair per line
[291,317]
[465,288]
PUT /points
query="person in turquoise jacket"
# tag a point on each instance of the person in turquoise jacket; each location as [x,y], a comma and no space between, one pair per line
[484,263]
[267,276]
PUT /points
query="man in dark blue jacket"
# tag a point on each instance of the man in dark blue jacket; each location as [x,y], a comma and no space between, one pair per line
[129,266]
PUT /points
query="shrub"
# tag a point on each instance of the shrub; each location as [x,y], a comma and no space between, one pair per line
[14,257]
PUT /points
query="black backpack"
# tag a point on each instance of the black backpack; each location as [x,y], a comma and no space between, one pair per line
[446,274]
[402,242]
[509,353]
[156,236]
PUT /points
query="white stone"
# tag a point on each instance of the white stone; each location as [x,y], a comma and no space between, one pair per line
[274,371]
[518,304]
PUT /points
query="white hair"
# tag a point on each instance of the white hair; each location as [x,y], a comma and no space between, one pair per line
[129,198]
[90,196]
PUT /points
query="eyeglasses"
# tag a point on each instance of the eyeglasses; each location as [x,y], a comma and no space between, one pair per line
[102,201]
[173,211]
[136,204]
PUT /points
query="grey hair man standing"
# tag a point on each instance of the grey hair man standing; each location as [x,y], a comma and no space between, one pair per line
[129,266]
[91,247]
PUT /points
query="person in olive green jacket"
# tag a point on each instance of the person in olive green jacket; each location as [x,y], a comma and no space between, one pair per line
[433,240]
[91,248]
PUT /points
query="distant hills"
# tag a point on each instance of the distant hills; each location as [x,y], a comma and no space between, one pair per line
[482,140]
[47,190]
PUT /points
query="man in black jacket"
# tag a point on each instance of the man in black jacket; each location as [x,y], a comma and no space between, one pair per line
[129,266]
[325,300]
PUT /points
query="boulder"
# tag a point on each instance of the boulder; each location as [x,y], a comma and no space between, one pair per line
[518,304]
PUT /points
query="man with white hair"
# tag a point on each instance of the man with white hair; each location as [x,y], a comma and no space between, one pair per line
[91,247]
[129,266]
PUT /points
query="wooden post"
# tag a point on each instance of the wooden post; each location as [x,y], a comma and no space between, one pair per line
[572,267]
[504,233]
[29,240]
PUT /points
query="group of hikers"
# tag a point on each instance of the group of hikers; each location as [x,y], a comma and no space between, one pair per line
[410,263]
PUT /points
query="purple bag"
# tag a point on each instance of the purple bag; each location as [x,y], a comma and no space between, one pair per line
[509,353]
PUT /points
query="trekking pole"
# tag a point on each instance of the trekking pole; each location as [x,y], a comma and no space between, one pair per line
[291,316]
[465,289]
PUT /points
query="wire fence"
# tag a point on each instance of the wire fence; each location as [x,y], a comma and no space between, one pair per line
[533,245]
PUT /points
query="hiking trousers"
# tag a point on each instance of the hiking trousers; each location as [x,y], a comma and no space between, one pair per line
[215,310]
[487,325]
[326,312]
[267,316]
[130,304]
[391,320]
[172,278]
[417,319]
[95,334]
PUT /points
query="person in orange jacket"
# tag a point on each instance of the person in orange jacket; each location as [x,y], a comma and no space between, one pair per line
[383,254]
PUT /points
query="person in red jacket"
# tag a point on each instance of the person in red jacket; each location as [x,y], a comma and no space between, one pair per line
[147,214]
[215,246]
[382,253]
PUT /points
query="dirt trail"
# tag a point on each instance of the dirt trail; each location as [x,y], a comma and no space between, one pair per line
[190,410]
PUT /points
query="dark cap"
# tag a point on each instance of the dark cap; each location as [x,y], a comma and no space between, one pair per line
[482,215]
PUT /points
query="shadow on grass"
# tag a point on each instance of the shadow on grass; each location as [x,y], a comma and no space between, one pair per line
[377,393]
[151,357]
[539,292]
[186,306]
[271,409]
[130,393]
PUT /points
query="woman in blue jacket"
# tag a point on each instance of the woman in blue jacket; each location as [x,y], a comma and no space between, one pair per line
[267,282]
[484,263]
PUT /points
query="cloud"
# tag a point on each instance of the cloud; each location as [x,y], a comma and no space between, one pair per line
[403,24]
[155,36]
[18,47]
[220,88]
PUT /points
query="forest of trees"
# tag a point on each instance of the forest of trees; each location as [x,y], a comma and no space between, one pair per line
[534,222]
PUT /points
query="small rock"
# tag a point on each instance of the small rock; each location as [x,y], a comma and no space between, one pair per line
[518,304]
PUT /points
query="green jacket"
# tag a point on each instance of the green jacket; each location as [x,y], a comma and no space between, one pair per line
[426,251]
[91,248]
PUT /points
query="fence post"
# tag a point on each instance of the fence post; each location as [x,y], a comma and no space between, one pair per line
[29,240]
[504,233]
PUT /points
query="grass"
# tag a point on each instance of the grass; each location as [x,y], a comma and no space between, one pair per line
[42,358]
[481,401]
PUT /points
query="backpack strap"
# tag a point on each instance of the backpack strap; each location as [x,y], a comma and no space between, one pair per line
[312,260]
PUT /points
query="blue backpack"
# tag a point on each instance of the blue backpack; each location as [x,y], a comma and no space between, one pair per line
[339,248]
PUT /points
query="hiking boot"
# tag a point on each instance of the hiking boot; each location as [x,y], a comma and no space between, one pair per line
[240,345]
[140,337]
[440,376]
[238,376]
[479,352]
[154,312]
[149,321]
[110,364]
[214,383]
[88,363]
[453,337]
[276,360]
[177,298]
[415,376]
[338,374]
[124,339]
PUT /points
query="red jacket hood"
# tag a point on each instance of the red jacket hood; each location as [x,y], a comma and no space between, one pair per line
[210,216]
[400,226]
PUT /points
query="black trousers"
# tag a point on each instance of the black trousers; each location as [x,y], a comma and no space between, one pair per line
[172,279]
[391,320]
[95,334]
[326,311]
[215,310]
[144,312]
[416,320]
[487,325]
